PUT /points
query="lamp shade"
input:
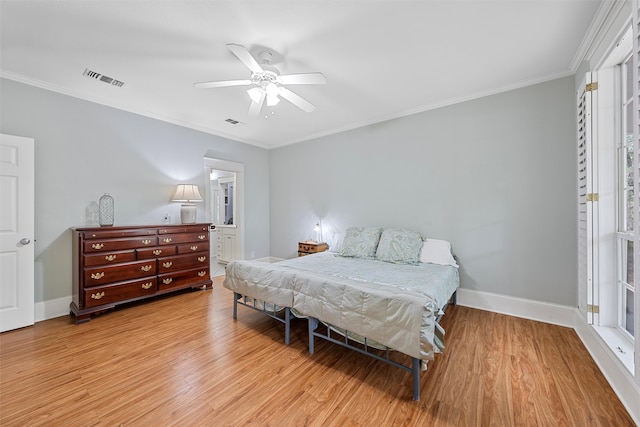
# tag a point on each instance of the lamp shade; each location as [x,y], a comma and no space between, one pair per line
[187,193]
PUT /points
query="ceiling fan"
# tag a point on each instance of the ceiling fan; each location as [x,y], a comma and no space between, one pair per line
[268,83]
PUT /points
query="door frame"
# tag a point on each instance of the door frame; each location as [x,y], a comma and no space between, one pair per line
[238,168]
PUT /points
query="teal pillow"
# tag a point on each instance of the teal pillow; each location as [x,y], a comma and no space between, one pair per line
[399,246]
[361,242]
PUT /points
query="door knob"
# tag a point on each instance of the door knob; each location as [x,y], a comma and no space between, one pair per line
[25,241]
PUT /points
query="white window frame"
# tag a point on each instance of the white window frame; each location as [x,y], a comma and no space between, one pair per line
[623,237]
[602,246]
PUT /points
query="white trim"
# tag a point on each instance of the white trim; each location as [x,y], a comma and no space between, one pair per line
[45,310]
[519,307]
[619,344]
[124,107]
[618,376]
[613,26]
[238,168]
[593,35]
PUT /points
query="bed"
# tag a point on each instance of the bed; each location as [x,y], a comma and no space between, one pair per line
[385,290]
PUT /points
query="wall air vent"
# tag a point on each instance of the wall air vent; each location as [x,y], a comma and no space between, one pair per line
[233,122]
[102,78]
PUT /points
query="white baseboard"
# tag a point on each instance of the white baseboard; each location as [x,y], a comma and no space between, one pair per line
[618,376]
[519,307]
[52,308]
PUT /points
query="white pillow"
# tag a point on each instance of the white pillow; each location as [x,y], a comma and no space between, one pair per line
[336,243]
[437,252]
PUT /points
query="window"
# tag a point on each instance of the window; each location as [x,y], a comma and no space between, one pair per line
[625,205]
[608,245]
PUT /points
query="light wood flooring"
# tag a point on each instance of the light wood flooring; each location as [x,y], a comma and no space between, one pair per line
[182,360]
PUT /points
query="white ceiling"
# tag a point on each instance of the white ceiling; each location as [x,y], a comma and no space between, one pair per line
[382,59]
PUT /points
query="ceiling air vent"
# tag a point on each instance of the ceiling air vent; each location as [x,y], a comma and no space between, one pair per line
[102,78]
[233,122]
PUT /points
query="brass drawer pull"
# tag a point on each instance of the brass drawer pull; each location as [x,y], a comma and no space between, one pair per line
[97,295]
[202,237]
[167,281]
[202,273]
[110,257]
[194,248]
[146,267]
[146,241]
[97,276]
[147,285]
[167,239]
[167,264]
[202,258]
[97,245]
[157,252]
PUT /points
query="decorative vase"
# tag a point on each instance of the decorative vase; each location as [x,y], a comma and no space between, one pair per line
[106,206]
[92,214]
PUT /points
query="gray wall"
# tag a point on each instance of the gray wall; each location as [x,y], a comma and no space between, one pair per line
[495,176]
[83,150]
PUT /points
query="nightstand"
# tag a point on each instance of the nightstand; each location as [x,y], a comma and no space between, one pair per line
[308,248]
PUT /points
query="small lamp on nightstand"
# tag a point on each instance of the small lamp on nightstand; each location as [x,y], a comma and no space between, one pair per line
[187,194]
[318,229]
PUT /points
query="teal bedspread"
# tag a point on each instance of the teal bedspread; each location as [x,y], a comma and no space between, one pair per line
[393,304]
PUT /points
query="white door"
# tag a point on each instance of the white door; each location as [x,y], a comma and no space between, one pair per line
[16,232]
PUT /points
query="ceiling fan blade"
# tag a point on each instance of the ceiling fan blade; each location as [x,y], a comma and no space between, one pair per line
[296,100]
[255,107]
[243,55]
[223,83]
[303,79]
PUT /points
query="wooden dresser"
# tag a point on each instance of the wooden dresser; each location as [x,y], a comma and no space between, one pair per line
[308,248]
[116,265]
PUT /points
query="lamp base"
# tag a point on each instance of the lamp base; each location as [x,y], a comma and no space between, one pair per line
[188,213]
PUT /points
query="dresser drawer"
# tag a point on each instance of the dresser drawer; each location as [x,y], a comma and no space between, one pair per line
[158,251]
[192,247]
[183,278]
[175,229]
[113,293]
[95,276]
[109,258]
[109,245]
[111,233]
[167,265]
[170,239]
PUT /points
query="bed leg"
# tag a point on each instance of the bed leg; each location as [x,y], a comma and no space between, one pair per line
[416,378]
[287,325]
[455,298]
[236,297]
[313,325]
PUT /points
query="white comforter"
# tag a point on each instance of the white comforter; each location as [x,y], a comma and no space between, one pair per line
[395,305]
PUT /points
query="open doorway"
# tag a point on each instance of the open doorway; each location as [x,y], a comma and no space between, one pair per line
[225,211]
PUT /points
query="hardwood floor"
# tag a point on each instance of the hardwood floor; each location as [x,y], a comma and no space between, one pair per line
[182,360]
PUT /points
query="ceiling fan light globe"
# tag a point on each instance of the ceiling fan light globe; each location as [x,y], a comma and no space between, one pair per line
[272,99]
[255,94]
[272,89]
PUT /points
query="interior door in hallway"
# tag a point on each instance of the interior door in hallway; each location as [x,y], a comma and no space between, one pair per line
[16,232]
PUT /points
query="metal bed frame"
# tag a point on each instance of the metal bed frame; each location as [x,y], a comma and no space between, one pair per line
[271,313]
[364,348]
